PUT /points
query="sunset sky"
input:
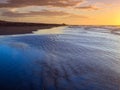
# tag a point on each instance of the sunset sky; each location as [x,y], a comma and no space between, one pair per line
[77,12]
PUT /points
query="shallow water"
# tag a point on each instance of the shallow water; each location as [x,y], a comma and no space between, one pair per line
[67,58]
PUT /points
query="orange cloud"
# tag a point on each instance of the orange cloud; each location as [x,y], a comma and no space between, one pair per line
[33,13]
[89,7]
[57,3]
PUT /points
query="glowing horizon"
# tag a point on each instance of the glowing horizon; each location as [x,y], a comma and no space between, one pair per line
[75,12]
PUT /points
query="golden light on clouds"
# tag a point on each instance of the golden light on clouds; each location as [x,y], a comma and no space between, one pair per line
[88,12]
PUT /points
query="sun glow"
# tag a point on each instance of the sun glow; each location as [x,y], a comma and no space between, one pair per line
[73,12]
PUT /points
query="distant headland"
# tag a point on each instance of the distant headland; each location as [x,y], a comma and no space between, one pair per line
[11,28]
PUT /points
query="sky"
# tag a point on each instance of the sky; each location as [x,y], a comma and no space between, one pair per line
[75,12]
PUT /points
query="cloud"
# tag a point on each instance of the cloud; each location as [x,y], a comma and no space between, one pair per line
[33,13]
[3,1]
[56,3]
[34,7]
[89,7]
[78,16]
[43,12]
[31,8]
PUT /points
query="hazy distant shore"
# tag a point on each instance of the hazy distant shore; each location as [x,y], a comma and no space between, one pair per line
[10,28]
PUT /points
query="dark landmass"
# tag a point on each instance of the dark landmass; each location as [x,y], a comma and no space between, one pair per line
[10,28]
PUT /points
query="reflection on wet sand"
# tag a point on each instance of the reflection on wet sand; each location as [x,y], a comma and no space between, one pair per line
[55,30]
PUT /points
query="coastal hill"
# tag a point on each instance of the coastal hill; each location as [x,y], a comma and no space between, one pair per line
[10,28]
[2,21]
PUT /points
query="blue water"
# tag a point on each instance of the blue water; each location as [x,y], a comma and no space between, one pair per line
[70,58]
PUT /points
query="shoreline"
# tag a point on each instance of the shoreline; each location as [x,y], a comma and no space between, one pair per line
[12,28]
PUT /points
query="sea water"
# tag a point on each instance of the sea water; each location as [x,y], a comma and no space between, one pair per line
[61,58]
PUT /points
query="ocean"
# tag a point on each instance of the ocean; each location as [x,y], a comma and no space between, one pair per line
[61,58]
